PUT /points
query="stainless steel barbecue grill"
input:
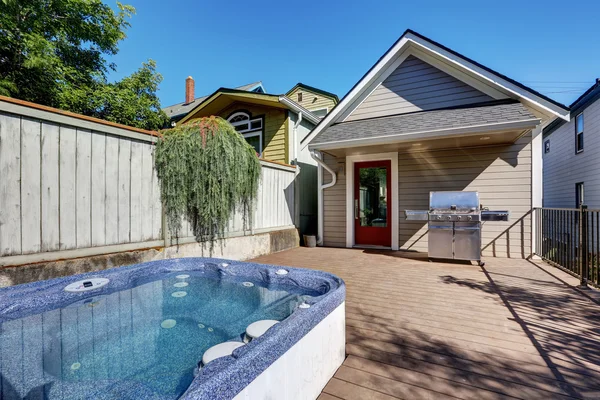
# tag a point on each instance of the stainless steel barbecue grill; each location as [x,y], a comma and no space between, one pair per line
[455,224]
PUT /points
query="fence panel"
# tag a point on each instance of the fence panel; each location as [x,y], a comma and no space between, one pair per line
[73,187]
[570,239]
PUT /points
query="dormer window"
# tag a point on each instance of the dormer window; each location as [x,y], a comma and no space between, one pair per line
[248,127]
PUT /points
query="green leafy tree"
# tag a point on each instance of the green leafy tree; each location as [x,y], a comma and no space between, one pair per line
[131,101]
[49,48]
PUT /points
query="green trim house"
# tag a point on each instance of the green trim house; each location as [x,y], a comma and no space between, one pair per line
[274,125]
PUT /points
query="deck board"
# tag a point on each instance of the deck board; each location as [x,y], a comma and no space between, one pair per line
[421,330]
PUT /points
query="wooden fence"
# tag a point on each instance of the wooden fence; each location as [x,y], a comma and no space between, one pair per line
[72,186]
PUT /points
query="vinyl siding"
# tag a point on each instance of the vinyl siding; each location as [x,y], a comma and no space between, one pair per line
[311,100]
[563,168]
[275,135]
[416,86]
[334,205]
[501,175]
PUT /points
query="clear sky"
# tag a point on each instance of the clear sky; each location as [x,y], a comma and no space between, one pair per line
[550,45]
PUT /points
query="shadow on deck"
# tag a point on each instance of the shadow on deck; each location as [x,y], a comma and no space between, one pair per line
[421,330]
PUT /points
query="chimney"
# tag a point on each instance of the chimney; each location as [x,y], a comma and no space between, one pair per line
[189,90]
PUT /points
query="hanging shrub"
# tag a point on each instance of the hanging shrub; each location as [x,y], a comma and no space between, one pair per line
[206,172]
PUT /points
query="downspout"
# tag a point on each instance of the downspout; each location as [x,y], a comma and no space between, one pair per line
[295,135]
[295,162]
[316,155]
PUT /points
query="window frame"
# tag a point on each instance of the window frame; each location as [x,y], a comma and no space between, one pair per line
[579,194]
[249,132]
[577,134]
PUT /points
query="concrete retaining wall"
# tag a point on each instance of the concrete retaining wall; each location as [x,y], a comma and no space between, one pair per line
[236,248]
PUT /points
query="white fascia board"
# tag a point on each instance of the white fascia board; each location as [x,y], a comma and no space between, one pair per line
[491,78]
[429,134]
[365,82]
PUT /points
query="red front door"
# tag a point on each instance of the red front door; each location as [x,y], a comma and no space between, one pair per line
[372,208]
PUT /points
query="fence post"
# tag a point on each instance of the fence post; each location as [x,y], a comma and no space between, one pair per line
[583,244]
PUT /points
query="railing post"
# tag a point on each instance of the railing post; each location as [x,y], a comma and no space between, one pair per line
[583,244]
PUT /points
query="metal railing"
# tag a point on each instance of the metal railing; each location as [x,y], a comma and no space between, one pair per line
[569,238]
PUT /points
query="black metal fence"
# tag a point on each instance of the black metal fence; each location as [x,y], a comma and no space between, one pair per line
[570,239]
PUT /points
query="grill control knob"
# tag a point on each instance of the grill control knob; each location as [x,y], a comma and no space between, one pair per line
[449,217]
[469,217]
[459,217]
[439,217]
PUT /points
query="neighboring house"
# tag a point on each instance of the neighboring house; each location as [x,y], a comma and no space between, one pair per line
[426,118]
[572,155]
[274,125]
[318,101]
[180,110]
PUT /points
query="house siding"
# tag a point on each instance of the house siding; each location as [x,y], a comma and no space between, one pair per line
[275,135]
[416,86]
[311,100]
[334,205]
[501,175]
[563,168]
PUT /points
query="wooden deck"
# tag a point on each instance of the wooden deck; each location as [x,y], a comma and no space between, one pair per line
[421,330]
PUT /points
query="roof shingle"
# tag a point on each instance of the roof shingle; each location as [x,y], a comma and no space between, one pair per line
[474,115]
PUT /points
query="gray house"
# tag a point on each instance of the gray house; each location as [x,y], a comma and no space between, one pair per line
[425,118]
[571,155]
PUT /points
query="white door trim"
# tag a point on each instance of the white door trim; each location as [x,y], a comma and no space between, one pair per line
[350,160]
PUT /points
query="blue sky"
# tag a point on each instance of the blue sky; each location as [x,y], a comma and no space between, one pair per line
[547,45]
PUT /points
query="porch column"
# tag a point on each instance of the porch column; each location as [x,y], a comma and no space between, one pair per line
[536,180]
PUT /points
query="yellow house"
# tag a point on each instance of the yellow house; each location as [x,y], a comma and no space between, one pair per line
[318,101]
[265,120]
[274,125]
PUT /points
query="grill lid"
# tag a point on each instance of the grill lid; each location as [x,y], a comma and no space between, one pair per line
[463,202]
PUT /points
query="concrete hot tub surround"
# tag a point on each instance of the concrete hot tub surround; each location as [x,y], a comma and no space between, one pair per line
[294,359]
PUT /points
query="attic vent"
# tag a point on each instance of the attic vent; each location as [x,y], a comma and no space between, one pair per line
[299,97]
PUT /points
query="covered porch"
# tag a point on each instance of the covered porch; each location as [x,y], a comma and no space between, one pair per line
[489,148]
[421,330]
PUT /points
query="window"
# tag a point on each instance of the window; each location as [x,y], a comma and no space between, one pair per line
[547,146]
[579,192]
[251,129]
[320,112]
[299,97]
[579,133]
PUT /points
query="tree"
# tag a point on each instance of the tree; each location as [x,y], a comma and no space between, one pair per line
[49,48]
[131,101]
[207,171]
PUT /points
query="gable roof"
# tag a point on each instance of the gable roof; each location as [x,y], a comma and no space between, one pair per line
[315,90]
[588,97]
[182,109]
[273,100]
[485,79]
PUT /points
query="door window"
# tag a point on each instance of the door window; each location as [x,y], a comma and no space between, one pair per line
[373,197]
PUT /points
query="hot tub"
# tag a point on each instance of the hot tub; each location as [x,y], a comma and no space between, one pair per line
[140,332]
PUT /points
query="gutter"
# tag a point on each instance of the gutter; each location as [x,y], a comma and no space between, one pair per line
[299,109]
[316,155]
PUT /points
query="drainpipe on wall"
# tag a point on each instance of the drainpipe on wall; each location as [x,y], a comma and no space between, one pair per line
[317,156]
[295,161]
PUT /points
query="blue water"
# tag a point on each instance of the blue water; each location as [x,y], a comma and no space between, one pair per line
[124,344]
